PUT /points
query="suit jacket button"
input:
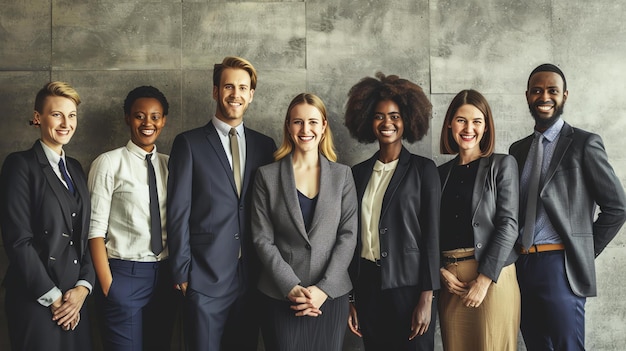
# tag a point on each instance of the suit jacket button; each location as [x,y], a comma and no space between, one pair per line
[74,214]
[237,236]
[383,254]
[382,231]
[307,246]
[75,261]
[71,243]
[479,245]
[476,224]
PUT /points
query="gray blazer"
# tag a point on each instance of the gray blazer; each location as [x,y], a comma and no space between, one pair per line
[579,178]
[494,211]
[290,255]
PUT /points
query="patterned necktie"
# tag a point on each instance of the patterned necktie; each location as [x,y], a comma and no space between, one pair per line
[156,242]
[532,192]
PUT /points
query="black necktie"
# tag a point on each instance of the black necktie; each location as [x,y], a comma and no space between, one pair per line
[156,242]
[66,177]
[533,193]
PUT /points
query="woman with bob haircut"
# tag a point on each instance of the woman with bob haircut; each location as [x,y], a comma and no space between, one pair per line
[304,229]
[394,268]
[44,216]
[479,205]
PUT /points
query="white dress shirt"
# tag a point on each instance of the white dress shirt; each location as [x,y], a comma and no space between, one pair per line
[120,202]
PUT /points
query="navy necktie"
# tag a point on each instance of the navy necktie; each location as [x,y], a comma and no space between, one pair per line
[156,241]
[66,177]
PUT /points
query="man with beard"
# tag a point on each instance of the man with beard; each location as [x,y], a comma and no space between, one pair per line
[214,264]
[564,173]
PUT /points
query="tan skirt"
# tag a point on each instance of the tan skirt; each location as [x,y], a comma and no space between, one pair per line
[492,326]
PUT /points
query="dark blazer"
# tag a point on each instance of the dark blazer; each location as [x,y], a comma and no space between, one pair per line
[578,178]
[207,223]
[37,225]
[409,223]
[290,254]
[495,202]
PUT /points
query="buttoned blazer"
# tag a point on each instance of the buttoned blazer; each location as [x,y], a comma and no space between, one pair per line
[207,222]
[37,225]
[290,254]
[408,225]
[578,178]
[495,202]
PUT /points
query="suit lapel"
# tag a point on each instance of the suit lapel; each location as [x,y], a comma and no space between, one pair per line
[288,183]
[479,183]
[218,148]
[251,155]
[522,153]
[59,190]
[396,179]
[565,139]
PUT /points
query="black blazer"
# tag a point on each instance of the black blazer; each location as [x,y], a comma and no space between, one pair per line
[207,223]
[409,223]
[37,225]
[495,202]
[579,178]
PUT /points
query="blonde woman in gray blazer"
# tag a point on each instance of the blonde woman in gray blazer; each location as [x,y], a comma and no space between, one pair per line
[304,226]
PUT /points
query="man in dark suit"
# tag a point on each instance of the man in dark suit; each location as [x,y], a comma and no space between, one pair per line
[559,238]
[208,210]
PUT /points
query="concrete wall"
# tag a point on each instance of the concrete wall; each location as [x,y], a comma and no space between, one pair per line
[105,48]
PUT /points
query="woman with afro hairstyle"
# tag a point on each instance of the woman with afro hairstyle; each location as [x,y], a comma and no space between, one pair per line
[395,266]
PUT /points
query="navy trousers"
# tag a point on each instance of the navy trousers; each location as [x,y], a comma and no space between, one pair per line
[553,317]
[140,310]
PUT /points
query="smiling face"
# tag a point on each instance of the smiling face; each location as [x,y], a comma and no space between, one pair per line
[146,120]
[57,122]
[306,127]
[233,95]
[546,98]
[468,127]
[387,124]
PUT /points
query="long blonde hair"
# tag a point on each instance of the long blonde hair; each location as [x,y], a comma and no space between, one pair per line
[326,146]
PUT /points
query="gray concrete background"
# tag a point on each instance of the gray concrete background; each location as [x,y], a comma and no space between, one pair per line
[105,48]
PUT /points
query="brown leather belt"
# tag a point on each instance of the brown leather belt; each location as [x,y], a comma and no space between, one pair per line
[541,248]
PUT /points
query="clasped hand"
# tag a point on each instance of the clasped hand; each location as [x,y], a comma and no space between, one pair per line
[66,310]
[307,301]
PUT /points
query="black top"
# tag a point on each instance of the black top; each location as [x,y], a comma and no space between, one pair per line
[307,206]
[456,208]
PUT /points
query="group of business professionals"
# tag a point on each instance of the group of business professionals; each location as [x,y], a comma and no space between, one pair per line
[302,233]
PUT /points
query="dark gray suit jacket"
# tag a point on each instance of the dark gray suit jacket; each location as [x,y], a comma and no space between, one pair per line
[207,224]
[579,178]
[290,254]
[495,202]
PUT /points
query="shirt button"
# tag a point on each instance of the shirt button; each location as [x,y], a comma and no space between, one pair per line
[307,246]
[383,254]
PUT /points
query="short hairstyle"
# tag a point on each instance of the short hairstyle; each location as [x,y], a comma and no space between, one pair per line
[548,67]
[326,146]
[234,62]
[447,144]
[56,88]
[145,91]
[415,108]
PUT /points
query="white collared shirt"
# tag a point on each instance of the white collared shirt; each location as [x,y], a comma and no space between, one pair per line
[120,202]
[222,130]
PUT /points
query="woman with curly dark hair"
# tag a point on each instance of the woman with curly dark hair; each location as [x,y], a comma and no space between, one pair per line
[395,266]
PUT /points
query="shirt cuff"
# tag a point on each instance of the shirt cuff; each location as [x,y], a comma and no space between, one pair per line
[85,284]
[48,298]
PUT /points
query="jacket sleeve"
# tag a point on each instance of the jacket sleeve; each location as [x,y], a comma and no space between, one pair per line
[430,221]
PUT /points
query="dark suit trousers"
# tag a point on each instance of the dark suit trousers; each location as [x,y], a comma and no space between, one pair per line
[553,317]
[385,315]
[140,310]
[223,323]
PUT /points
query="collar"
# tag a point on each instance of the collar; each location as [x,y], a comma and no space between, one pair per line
[224,128]
[379,166]
[553,132]
[51,155]
[139,152]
